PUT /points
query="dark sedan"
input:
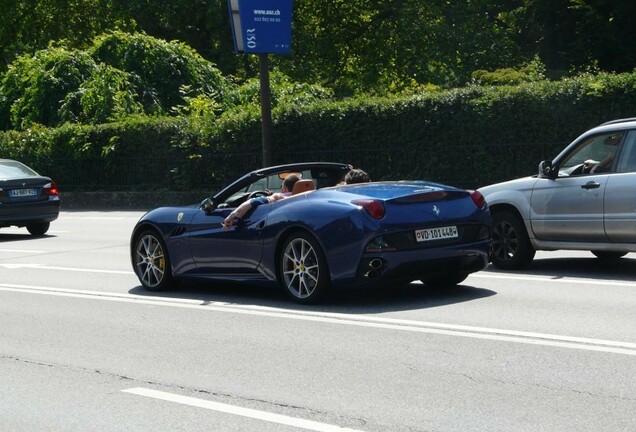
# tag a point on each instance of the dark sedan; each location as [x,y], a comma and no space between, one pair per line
[27,199]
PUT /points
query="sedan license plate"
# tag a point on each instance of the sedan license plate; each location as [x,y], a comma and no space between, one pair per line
[23,192]
[440,233]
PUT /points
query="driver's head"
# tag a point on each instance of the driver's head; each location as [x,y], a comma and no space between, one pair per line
[356,175]
[613,140]
[289,182]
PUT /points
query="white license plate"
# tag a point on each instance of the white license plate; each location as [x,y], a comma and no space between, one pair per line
[23,192]
[440,233]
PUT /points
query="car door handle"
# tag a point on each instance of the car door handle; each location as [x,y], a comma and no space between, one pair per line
[591,185]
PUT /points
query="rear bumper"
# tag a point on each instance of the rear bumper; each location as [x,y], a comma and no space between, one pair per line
[407,266]
[21,214]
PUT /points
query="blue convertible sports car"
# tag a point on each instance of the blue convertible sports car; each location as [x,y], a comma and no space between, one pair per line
[330,235]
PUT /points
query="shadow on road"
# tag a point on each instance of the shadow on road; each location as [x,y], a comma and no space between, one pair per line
[351,301]
[11,237]
[623,269]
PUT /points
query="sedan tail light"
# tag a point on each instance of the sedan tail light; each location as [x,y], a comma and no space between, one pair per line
[50,189]
[374,208]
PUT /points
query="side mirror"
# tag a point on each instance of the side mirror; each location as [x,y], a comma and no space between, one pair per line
[207,205]
[546,170]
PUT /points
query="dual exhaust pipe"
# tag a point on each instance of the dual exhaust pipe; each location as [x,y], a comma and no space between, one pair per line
[375,268]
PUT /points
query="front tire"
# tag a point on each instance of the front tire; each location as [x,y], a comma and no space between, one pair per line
[303,272]
[39,228]
[151,262]
[511,248]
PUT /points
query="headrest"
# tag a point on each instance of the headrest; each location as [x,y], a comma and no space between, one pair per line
[303,186]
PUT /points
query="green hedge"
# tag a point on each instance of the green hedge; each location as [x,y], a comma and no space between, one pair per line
[469,137]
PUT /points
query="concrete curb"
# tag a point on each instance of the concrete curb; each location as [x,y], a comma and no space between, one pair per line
[128,200]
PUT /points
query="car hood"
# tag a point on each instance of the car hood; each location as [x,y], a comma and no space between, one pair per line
[518,185]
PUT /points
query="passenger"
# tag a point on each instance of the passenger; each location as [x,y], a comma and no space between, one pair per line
[356,175]
[240,211]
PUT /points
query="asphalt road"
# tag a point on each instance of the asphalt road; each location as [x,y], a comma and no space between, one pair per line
[84,348]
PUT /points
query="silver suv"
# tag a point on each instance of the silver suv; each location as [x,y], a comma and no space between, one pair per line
[584,199]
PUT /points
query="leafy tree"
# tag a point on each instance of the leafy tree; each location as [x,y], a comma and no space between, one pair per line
[167,70]
[120,74]
[575,34]
[352,46]
[202,24]
[107,95]
[34,87]
[29,25]
[379,47]
[284,91]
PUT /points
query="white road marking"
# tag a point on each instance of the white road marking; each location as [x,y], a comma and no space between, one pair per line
[22,251]
[235,410]
[486,275]
[532,338]
[557,279]
[14,266]
[24,231]
[101,218]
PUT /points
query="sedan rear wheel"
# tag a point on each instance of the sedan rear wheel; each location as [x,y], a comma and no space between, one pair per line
[303,269]
[151,262]
[38,229]
[511,247]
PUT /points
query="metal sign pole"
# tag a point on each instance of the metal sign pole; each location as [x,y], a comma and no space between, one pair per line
[262,27]
[266,109]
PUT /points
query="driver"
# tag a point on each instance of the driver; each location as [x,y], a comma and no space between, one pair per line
[240,211]
[606,164]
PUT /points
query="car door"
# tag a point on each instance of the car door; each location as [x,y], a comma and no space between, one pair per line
[620,198]
[219,251]
[570,207]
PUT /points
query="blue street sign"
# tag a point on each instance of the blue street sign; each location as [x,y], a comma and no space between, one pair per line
[261,26]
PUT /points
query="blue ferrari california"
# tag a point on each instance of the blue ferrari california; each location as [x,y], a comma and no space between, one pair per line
[331,235]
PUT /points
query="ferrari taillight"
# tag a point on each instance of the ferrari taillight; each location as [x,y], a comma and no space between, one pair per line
[374,208]
[478,198]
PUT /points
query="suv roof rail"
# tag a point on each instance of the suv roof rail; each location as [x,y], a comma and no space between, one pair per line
[625,120]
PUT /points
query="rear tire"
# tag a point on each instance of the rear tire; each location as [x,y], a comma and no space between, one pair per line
[303,272]
[39,228]
[511,248]
[151,262]
[609,255]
